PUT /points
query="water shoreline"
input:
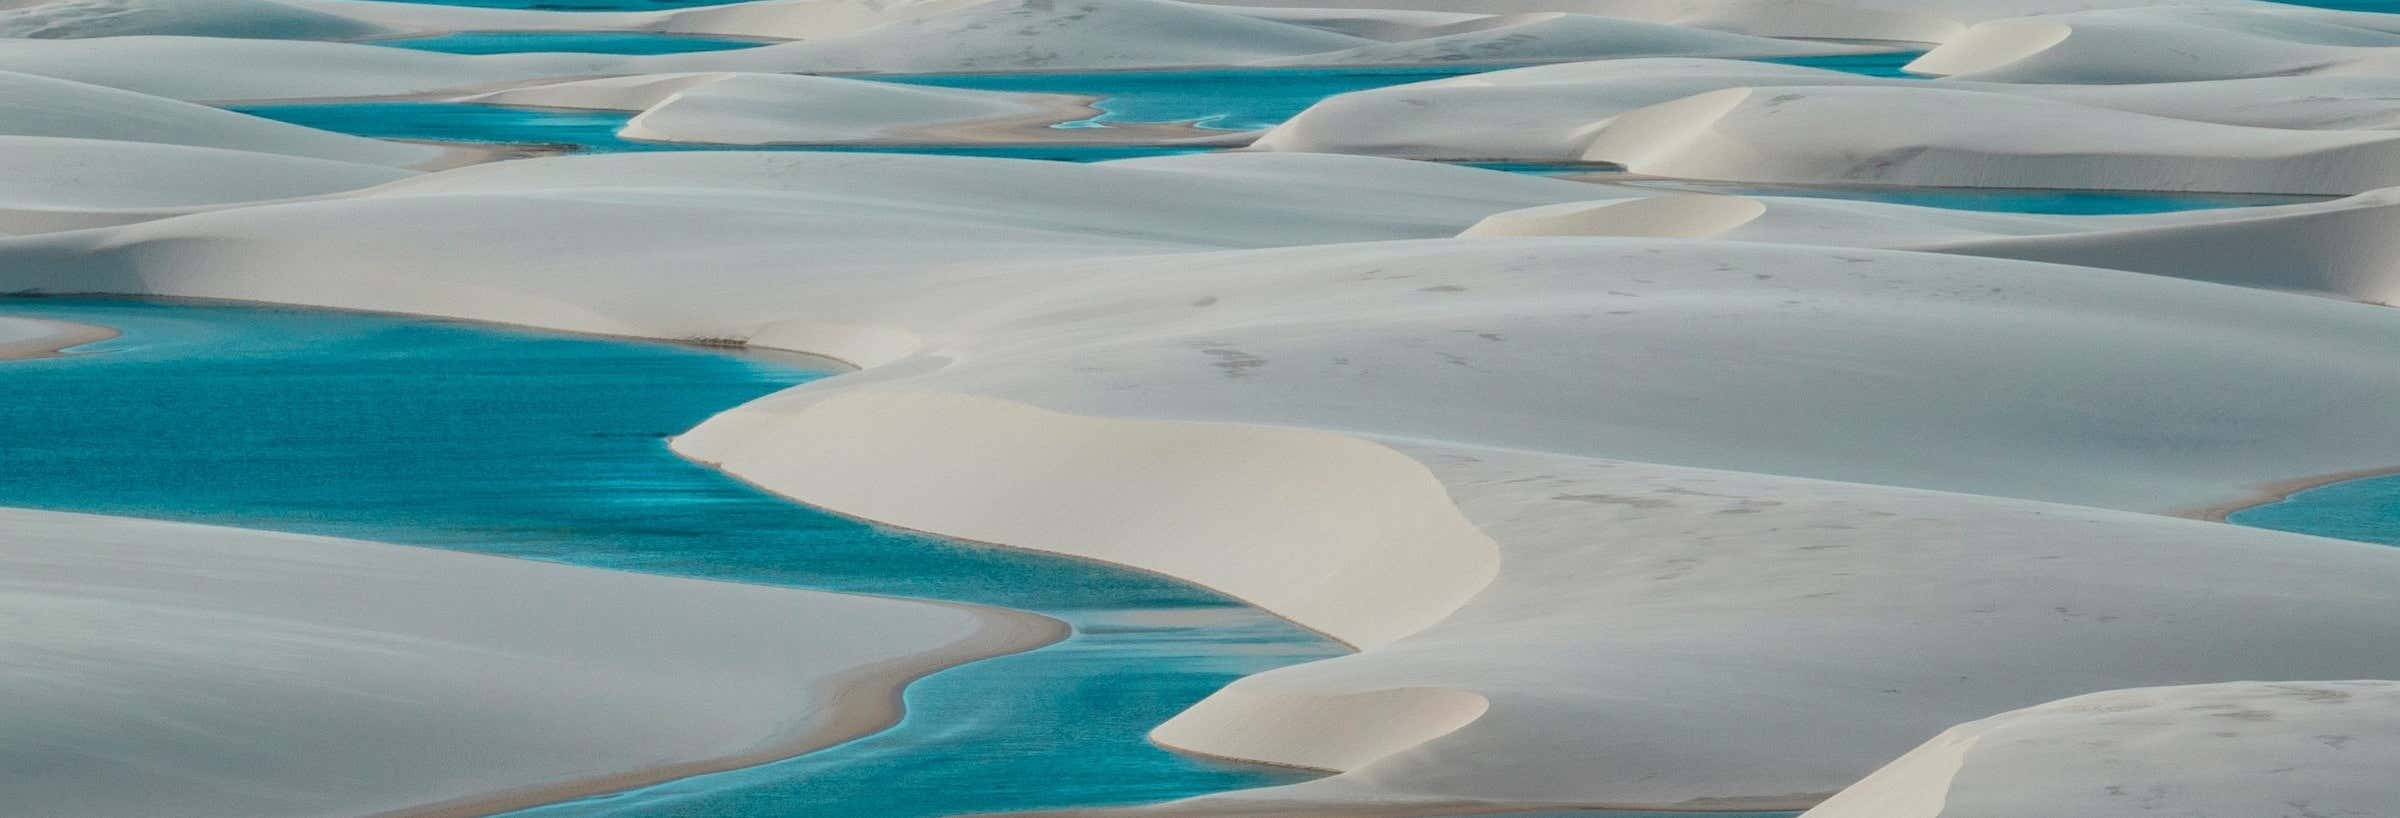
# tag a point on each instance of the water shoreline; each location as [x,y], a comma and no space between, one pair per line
[2265,494]
[862,702]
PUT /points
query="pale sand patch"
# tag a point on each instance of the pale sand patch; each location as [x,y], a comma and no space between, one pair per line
[286,675]
[27,338]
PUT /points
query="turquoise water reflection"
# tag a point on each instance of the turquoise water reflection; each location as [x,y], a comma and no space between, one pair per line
[553,447]
[582,42]
[2367,510]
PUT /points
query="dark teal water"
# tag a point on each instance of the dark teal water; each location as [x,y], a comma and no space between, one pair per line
[553,448]
[581,42]
[2367,510]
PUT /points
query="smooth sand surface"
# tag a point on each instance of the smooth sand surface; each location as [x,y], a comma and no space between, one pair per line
[1628,497]
[243,673]
[23,338]
[2210,751]
[2342,248]
[1259,406]
[1553,113]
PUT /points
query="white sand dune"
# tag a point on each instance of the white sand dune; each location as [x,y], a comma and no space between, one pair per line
[828,36]
[65,19]
[1553,36]
[1551,112]
[164,668]
[760,109]
[42,106]
[1940,137]
[2162,44]
[2235,749]
[213,69]
[2346,248]
[1540,113]
[63,184]
[1653,632]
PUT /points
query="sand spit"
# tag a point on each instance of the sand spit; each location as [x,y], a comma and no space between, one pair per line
[313,676]
[25,338]
[2235,749]
[786,109]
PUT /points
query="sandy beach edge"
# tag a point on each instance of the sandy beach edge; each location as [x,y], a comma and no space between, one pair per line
[1234,808]
[59,336]
[861,702]
[2276,492]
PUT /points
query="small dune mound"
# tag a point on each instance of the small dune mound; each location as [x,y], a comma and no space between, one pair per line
[1954,138]
[1554,36]
[2245,748]
[2161,44]
[1679,215]
[65,19]
[41,106]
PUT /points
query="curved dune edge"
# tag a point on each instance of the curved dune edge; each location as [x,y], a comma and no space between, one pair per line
[1673,215]
[864,701]
[2252,748]
[1318,732]
[29,338]
[1377,552]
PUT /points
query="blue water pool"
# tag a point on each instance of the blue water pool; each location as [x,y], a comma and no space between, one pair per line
[2367,510]
[552,447]
[583,42]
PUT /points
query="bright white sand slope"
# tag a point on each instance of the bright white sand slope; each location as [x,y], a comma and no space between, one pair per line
[1551,113]
[2166,44]
[1931,136]
[63,184]
[41,106]
[164,668]
[2213,751]
[2346,248]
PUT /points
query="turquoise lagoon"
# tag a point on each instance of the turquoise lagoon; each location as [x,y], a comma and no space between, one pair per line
[553,447]
[2367,510]
[581,42]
